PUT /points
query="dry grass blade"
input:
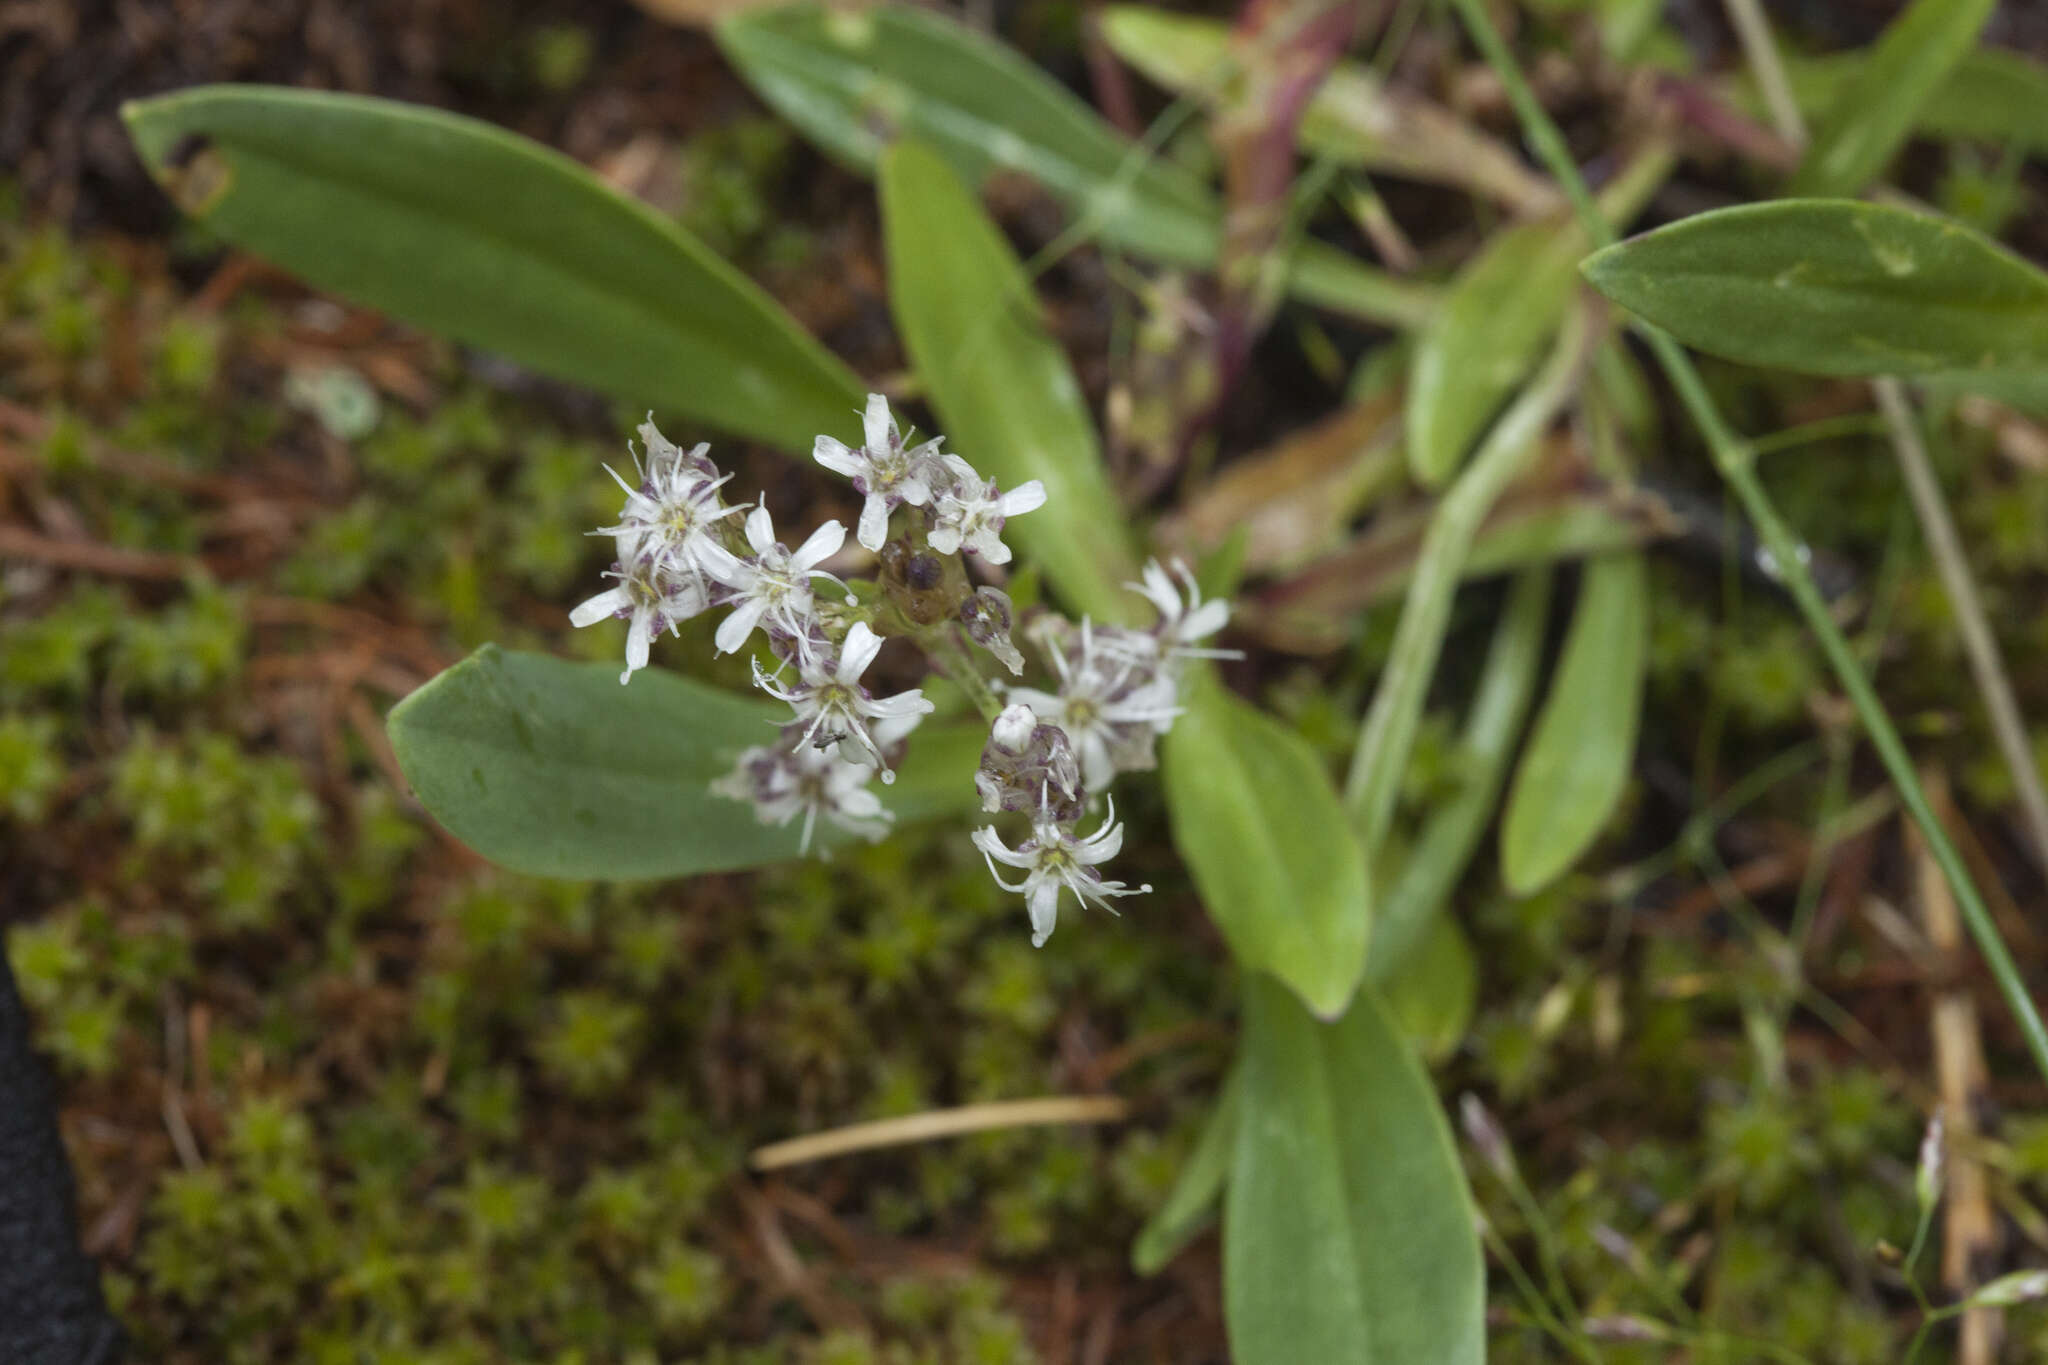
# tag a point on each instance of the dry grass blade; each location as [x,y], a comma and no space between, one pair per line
[939,1123]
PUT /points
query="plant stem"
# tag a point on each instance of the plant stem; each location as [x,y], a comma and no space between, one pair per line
[1762,52]
[1388,733]
[1980,646]
[1735,460]
[943,647]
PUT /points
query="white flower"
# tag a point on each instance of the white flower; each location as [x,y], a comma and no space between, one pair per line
[971,513]
[1053,858]
[773,589]
[792,778]
[650,596]
[670,516]
[835,709]
[883,471]
[1182,625]
[1110,707]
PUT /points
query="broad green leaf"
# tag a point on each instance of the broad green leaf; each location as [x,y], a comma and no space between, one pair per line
[1432,996]
[1502,310]
[1831,286]
[1870,119]
[1191,1205]
[1348,1231]
[1431,866]
[1006,396]
[1354,118]
[855,81]
[552,768]
[1580,752]
[480,235]
[1259,825]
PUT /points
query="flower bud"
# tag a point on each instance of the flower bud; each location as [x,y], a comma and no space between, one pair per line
[1028,765]
[987,617]
[1927,1179]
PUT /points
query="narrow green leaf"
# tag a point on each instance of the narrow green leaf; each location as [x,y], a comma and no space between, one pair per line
[1481,342]
[1833,286]
[1432,997]
[1004,391]
[1584,743]
[1191,1205]
[1348,1232]
[1869,120]
[1432,865]
[854,81]
[1354,118]
[480,235]
[1259,825]
[1502,310]
[552,768]
[1990,94]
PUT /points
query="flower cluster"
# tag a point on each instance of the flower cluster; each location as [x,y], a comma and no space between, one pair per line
[681,550]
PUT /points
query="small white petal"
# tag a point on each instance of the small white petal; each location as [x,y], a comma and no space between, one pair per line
[1025,497]
[836,457]
[1043,901]
[821,545]
[945,538]
[761,529]
[734,629]
[860,649]
[876,424]
[637,640]
[607,603]
[874,521]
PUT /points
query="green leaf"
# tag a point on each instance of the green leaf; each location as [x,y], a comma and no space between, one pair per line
[1432,865]
[1353,119]
[1432,996]
[1005,394]
[855,81]
[1483,339]
[552,768]
[1990,94]
[1833,287]
[1348,1232]
[1502,310]
[1579,756]
[1191,1205]
[491,239]
[1259,824]
[1869,120]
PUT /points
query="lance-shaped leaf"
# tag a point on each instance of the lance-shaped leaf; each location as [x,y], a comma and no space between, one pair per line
[1348,1231]
[489,238]
[1354,119]
[1006,396]
[1870,119]
[1990,94]
[1262,831]
[552,768]
[1832,286]
[1577,764]
[855,81]
[1430,866]
[1191,1204]
[1501,312]
[1432,997]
